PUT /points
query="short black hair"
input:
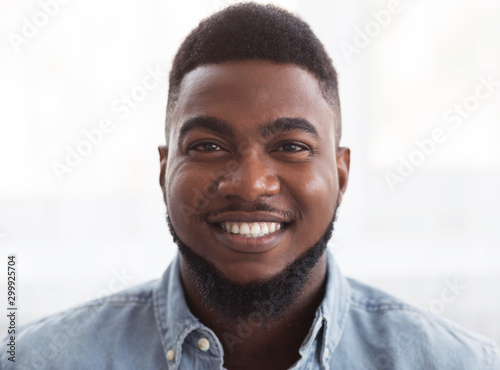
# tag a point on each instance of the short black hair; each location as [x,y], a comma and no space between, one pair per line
[250,31]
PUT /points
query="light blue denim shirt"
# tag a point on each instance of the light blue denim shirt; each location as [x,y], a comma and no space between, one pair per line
[151,327]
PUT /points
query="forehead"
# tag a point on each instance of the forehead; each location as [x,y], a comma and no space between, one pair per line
[253,92]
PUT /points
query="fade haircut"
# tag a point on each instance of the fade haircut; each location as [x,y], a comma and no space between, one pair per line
[249,31]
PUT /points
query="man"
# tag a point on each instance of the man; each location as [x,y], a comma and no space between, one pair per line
[252,176]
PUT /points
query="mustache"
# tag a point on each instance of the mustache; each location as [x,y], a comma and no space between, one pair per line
[239,207]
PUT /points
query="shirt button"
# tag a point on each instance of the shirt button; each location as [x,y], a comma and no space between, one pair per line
[326,353]
[203,344]
[170,355]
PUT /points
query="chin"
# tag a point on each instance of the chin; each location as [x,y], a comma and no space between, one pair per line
[248,272]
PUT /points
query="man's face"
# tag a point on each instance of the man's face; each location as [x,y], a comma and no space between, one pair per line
[252,148]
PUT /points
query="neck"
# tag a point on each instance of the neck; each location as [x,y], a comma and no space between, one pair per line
[253,342]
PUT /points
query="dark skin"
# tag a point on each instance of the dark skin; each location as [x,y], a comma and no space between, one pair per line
[246,158]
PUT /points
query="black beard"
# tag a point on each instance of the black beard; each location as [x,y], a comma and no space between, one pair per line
[263,302]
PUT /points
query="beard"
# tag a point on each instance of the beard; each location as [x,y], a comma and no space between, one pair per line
[262,302]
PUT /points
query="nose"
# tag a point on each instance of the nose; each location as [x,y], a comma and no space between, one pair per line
[252,178]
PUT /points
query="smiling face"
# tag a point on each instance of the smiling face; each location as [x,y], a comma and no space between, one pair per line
[251,173]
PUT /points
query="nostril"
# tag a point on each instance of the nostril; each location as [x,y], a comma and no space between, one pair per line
[249,185]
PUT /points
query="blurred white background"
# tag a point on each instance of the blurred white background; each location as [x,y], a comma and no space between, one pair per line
[406,69]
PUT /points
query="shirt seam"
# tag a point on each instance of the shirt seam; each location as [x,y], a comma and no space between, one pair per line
[379,307]
[120,302]
[62,314]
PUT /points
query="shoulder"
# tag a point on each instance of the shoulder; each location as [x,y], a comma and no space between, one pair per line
[77,335]
[402,334]
[96,312]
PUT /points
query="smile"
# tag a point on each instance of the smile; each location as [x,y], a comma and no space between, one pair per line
[250,229]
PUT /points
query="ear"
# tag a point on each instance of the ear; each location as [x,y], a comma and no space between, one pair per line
[343,163]
[163,150]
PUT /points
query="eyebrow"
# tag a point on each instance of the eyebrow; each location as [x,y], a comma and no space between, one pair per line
[289,124]
[208,123]
[223,128]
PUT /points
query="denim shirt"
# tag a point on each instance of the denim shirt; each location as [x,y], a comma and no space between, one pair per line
[151,327]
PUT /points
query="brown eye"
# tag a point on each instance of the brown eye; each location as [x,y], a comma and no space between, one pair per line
[293,151]
[290,148]
[207,147]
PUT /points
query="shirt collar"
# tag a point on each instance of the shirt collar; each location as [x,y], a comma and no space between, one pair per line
[334,308]
[173,317]
[330,317]
[175,321]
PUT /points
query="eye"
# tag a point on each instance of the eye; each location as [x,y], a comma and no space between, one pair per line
[292,147]
[206,147]
[293,151]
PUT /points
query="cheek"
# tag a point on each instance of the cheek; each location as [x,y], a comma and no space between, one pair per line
[185,196]
[316,194]
[189,192]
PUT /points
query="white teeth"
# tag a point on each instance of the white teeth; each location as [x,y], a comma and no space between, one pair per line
[250,229]
[255,230]
[244,228]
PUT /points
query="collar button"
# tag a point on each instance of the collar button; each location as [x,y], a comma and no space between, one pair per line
[203,344]
[170,355]
[326,353]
